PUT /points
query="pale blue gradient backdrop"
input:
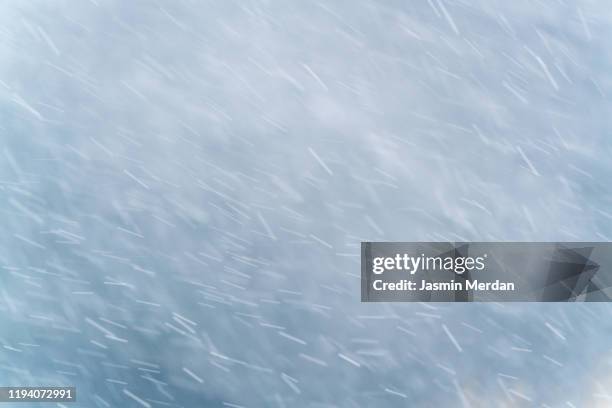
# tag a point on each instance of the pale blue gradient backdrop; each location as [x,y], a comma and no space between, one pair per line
[184,186]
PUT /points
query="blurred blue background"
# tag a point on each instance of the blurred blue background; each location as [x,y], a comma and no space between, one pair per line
[185,185]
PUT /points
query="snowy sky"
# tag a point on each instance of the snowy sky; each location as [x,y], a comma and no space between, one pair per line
[185,185]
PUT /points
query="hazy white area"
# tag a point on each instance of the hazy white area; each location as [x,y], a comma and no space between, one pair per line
[184,186]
